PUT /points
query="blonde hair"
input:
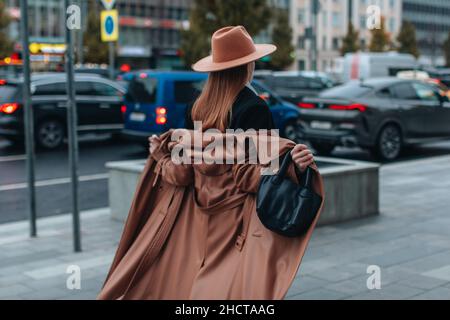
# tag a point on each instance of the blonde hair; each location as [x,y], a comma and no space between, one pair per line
[217,97]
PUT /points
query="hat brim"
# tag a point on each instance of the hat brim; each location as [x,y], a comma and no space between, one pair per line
[207,64]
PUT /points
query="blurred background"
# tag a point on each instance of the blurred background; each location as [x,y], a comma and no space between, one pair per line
[159,34]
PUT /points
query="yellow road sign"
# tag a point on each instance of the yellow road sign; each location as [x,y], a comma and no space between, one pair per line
[109,20]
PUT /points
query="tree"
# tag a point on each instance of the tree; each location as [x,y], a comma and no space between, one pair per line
[207,16]
[96,51]
[6,45]
[446,48]
[407,39]
[282,38]
[379,41]
[350,41]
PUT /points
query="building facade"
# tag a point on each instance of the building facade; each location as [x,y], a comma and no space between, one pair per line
[150,32]
[45,31]
[331,26]
[432,21]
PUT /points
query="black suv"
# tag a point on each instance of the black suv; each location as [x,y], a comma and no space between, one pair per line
[380,114]
[99,105]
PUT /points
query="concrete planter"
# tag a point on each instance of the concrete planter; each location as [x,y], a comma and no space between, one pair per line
[351,188]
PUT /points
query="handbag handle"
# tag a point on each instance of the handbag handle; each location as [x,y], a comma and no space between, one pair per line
[287,159]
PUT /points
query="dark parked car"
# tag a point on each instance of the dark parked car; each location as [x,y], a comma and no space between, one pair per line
[156,101]
[381,114]
[99,105]
[292,86]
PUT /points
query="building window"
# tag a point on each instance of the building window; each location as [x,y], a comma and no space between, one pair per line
[336,19]
[301,64]
[335,43]
[391,24]
[362,22]
[324,43]
[391,3]
[301,16]
[301,42]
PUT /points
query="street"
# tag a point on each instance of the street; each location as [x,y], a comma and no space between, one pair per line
[53,183]
[52,177]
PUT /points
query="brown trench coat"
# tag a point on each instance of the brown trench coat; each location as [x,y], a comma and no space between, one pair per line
[194,234]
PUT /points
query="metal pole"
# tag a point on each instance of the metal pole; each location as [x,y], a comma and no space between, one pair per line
[111,60]
[29,123]
[72,130]
[80,53]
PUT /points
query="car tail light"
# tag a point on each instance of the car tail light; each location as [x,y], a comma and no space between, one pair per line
[353,106]
[306,105]
[161,115]
[9,108]
[123,109]
[2,82]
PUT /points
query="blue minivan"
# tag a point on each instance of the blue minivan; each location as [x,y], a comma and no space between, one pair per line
[156,101]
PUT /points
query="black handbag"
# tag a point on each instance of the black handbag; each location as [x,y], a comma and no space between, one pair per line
[285,207]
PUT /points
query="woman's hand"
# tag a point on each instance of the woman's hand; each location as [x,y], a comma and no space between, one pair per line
[154,142]
[302,156]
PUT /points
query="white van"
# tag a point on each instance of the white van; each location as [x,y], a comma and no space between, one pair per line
[364,65]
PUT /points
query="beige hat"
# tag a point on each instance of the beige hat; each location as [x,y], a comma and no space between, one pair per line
[231,47]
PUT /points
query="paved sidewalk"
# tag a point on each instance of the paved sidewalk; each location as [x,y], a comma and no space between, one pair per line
[409,241]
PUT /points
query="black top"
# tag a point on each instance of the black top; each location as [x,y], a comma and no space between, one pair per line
[249,111]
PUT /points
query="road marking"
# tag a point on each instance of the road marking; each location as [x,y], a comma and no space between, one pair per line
[51,182]
[13,158]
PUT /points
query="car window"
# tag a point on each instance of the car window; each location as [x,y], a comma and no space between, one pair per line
[142,89]
[425,92]
[103,89]
[186,91]
[51,89]
[84,88]
[405,91]
[348,90]
[384,93]
[315,84]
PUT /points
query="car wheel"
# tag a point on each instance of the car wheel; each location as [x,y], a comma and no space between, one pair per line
[389,143]
[50,134]
[323,149]
[290,131]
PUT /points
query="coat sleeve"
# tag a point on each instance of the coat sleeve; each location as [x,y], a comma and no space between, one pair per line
[175,174]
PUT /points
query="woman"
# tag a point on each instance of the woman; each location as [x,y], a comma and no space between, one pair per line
[192,231]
